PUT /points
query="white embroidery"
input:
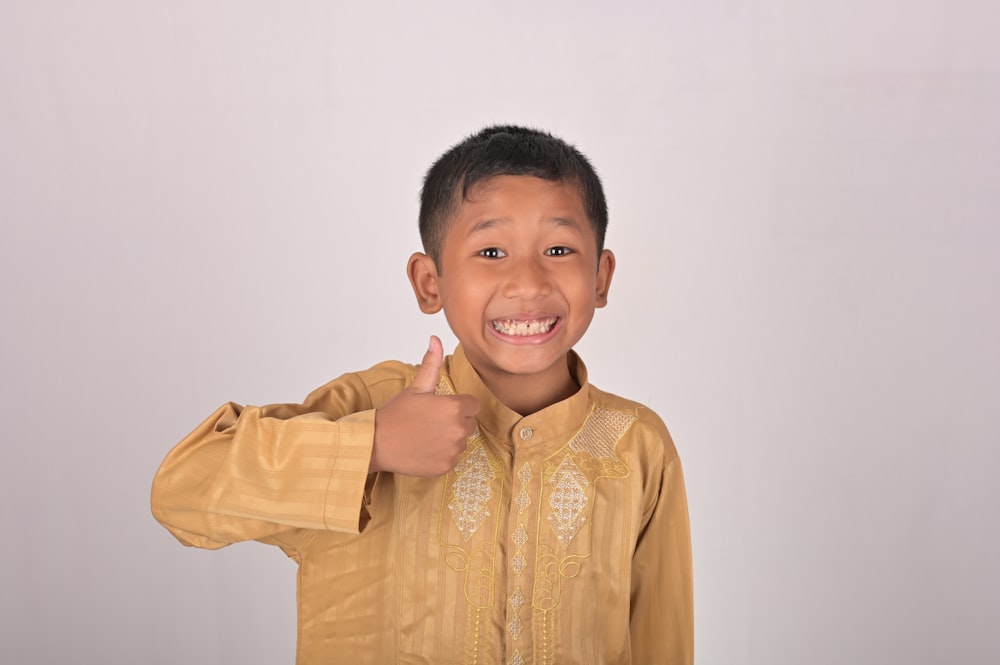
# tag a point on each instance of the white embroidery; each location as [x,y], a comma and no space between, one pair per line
[471,492]
[568,501]
[516,599]
[601,432]
[520,536]
[518,563]
[515,627]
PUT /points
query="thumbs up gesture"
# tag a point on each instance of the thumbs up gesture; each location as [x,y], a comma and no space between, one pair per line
[419,433]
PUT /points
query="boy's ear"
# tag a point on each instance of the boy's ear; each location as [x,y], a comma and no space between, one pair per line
[424,279]
[605,269]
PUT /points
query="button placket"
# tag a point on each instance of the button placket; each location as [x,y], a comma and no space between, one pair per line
[520,526]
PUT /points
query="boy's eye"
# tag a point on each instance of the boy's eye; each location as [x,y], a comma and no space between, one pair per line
[492,253]
[558,251]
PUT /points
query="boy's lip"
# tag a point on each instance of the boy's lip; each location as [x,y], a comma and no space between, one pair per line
[525,329]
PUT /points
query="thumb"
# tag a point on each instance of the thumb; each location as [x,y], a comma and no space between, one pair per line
[426,380]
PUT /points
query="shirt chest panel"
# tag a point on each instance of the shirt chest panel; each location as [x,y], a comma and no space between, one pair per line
[517,555]
[514,536]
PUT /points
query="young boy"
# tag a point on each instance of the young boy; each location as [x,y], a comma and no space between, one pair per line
[487,507]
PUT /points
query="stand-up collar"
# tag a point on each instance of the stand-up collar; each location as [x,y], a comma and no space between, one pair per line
[556,422]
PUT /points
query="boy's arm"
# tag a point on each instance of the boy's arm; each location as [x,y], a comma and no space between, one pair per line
[254,472]
[266,472]
[662,621]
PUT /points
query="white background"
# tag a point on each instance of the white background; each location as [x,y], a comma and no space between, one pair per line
[210,201]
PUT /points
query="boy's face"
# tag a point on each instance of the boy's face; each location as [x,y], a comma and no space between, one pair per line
[519,277]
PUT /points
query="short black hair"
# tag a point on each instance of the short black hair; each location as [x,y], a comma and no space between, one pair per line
[504,150]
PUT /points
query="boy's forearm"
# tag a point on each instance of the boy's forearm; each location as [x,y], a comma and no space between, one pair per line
[250,473]
[662,623]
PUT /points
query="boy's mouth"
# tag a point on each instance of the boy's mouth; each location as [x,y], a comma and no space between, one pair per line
[524,328]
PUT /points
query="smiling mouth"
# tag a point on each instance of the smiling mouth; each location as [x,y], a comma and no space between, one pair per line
[524,328]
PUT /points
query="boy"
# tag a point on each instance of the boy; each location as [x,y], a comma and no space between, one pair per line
[487,507]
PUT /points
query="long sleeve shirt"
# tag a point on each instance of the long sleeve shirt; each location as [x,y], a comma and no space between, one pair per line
[559,537]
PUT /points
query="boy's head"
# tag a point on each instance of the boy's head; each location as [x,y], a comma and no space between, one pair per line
[505,150]
[513,226]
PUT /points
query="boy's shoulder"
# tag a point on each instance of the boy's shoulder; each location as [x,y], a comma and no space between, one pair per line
[375,385]
[646,427]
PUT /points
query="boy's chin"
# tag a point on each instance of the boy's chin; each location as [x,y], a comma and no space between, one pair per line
[522,361]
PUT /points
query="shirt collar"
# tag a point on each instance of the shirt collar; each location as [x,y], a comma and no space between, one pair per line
[555,422]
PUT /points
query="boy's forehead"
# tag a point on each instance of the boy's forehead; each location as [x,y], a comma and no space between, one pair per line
[521,189]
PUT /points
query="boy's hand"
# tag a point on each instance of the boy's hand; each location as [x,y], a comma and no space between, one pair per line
[418,433]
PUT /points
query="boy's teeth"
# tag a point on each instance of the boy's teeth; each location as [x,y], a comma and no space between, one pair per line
[524,328]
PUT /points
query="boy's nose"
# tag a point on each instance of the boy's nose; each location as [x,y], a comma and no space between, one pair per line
[527,279]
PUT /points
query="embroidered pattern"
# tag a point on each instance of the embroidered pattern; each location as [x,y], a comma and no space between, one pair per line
[601,432]
[520,536]
[571,476]
[474,621]
[519,562]
[523,499]
[568,501]
[515,627]
[472,491]
[478,480]
[590,455]
[443,388]
[517,599]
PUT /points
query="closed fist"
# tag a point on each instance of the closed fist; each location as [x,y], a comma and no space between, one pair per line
[420,433]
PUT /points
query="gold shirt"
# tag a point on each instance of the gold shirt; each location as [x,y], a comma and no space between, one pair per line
[559,537]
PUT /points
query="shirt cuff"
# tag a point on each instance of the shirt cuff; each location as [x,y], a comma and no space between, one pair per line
[348,494]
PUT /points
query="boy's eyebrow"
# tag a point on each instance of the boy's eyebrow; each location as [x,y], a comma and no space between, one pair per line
[484,224]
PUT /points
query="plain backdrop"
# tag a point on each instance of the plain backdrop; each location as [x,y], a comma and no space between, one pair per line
[215,200]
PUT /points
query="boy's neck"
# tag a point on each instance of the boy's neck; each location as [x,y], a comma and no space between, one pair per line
[528,394]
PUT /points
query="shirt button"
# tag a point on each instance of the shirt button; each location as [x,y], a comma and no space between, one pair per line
[525,433]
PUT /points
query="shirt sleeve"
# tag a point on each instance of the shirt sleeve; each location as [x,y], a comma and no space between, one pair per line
[662,617]
[276,473]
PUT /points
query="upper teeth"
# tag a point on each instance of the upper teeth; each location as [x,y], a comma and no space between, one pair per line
[523,328]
